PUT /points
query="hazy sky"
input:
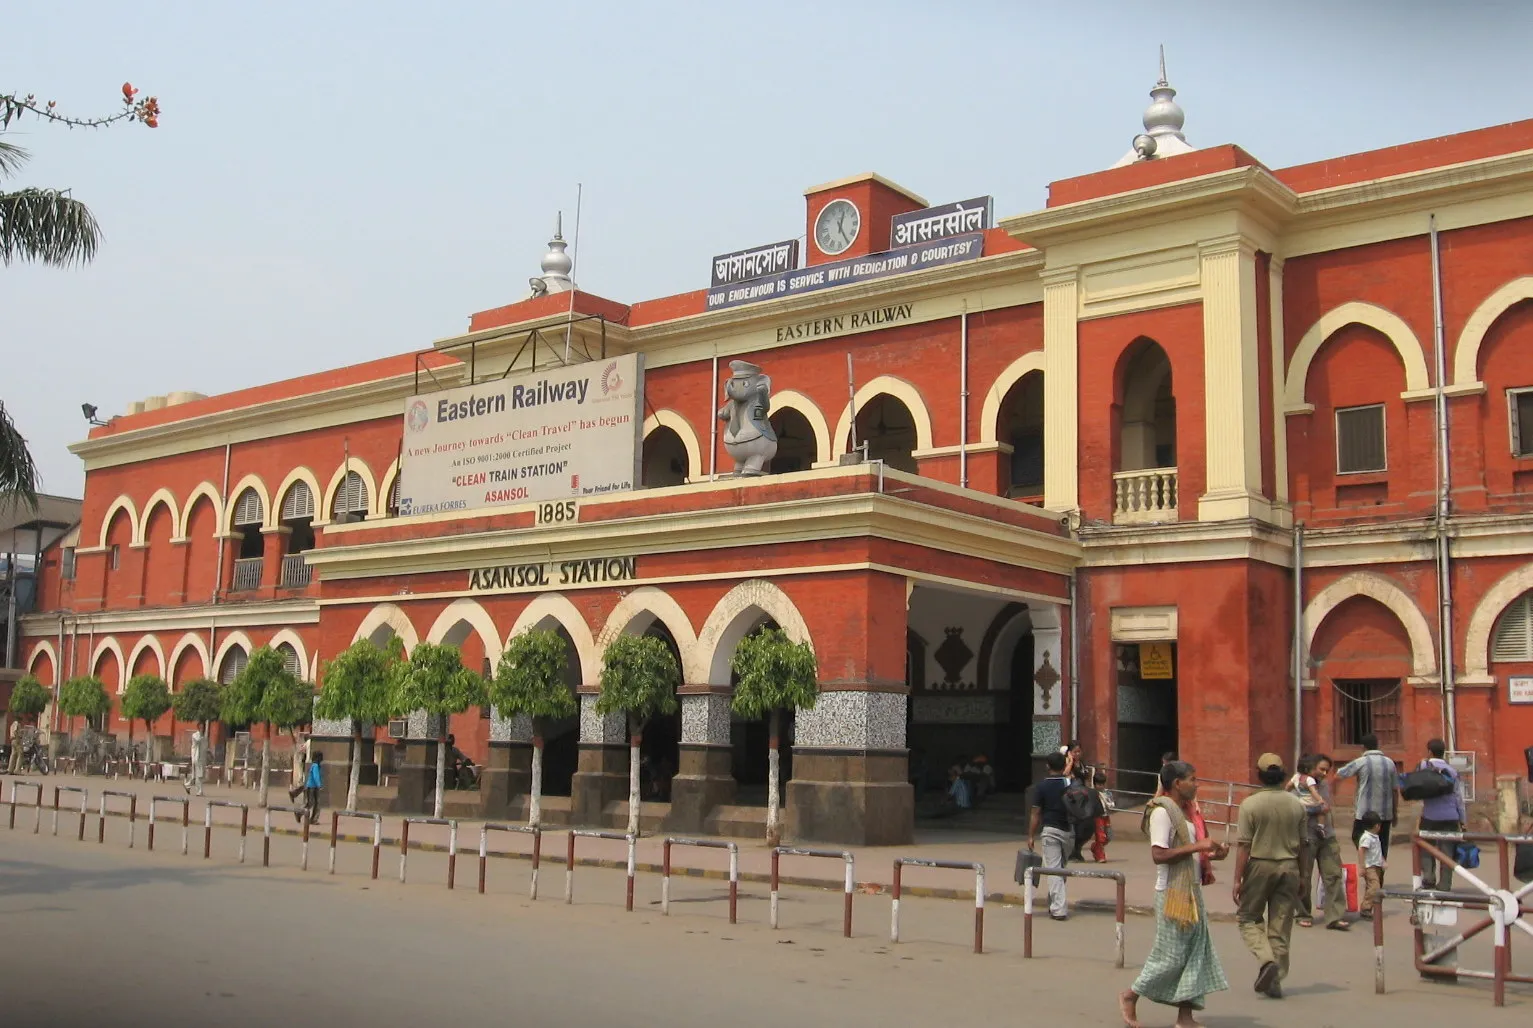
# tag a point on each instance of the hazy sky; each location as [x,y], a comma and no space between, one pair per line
[333,182]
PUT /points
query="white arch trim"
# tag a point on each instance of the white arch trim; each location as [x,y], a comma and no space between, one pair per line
[386,615]
[1466,355]
[478,620]
[727,624]
[1355,313]
[161,496]
[298,474]
[106,645]
[792,399]
[678,424]
[151,643]
[231,640]
[557,607]
[189,641]
[1376,587]
[248,482]
[324,512]
[1483,620]
[287,635]
[384,487]
[990,412]
[901,390]
[44,647]
[203,489]
[628,617]
[122,503]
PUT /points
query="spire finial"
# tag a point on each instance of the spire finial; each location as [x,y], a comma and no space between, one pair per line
[556,265]
[1162,81]
[559,216]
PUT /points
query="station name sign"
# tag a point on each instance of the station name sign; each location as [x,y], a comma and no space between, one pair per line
[849,271]
[506,578]
[840,324]
[931,223]
[771,259]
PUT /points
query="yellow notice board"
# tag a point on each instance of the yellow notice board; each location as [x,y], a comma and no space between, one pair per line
[1155,660]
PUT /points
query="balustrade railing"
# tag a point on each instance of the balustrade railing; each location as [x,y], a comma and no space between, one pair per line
[247,574]
[296,572]
[1144,497]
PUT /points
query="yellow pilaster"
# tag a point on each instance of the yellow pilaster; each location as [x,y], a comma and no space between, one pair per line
[1231,384]
[1061,454]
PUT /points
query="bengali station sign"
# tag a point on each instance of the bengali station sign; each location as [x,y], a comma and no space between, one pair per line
[771,259]
[544,435]
[931,223]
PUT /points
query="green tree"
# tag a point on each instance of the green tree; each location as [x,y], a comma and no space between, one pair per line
[18,471]
[435,681]
[146,699]
[199,702]
[356,689]
[530,680]
[773,673]
[246,702]
[639,676]
[28,697]
[84,697]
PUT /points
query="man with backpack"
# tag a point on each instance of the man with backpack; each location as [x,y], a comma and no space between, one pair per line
[1443,812]
[1052,823]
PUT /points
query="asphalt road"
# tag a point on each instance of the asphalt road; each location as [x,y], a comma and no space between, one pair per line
[104,935]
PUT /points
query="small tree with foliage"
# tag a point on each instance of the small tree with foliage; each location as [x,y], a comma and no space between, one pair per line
[434,680]
[773,674]
[245,699]
[639,676]
[530,680]
[146,699]
[356,689]
[28,698]
[199,702]
[84,697]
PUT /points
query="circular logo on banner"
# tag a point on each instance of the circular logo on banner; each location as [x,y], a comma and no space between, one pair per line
[611,381]
[419,416]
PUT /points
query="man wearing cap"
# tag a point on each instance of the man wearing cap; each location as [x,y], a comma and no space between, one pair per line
[1272,822]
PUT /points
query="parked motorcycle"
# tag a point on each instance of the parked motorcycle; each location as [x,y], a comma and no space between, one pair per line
[35,758]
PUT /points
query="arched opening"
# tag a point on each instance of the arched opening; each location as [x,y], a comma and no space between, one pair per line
[350,502]
[250,546]
[888,429]
[162,568]
[1147,428]
[1360,657]
[660,749]
[291,662]
[797,446]
[470,729]
[1512,641]
[665,459]
[233,663]
[187,668]
[561,737]
[201,551]
[1020,426]
[119,537]
[108,672]
[298,520]
[750,741]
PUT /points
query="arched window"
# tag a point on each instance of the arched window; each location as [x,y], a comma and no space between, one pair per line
[1020,426]
[248,516]
[665,459]
[298,519]
[247,509]
[234,662]
[350,499]
[1514,634]
[797,447]
[290,661]
[298,503]
[394,498]
[888,428]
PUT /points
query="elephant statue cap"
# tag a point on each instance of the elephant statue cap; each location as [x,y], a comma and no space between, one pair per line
[748,436]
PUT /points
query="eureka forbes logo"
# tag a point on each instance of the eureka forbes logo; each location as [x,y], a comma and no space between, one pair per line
[418,416]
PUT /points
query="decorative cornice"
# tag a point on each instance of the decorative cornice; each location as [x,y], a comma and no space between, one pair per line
[197,618]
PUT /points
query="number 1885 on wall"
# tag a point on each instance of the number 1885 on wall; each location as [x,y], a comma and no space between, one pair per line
[559,512]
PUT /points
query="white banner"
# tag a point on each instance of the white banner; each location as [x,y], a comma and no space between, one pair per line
[548,435]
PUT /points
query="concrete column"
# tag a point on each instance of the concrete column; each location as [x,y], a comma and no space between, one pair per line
[333,739]
[506,782]
[601,776]
[1061,359]
[1050,687]
[1231,384]
[275,546]
[705,778]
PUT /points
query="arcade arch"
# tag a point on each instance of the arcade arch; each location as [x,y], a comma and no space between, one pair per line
[1147,422]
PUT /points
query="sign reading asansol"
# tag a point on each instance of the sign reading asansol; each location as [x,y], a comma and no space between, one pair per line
[543,435]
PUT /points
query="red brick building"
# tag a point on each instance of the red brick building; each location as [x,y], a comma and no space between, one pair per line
[1116,448]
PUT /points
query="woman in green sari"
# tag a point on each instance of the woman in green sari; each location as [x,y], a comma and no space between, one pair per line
[1182,967]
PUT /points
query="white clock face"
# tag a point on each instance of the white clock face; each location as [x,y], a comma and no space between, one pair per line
[837,226]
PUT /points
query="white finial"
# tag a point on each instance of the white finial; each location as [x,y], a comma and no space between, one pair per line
[1163,121]
[556,264]
[1162,81]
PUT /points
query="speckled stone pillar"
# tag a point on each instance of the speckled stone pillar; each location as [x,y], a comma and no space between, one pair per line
[850,771]
[507,777]
[332,740]
[417,774]
[705,776]
[601,777]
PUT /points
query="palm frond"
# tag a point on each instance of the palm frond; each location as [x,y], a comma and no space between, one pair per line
[46,225]
[12,157]
[18,471]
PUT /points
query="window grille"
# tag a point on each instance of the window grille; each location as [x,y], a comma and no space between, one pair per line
[1514,634]
[1519,404]
[290,661]
[1366,706]
[234,662]
[298,503]
[351,497]
[1360,439]
[247,509]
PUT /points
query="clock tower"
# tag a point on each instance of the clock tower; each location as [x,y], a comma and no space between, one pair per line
[850,217]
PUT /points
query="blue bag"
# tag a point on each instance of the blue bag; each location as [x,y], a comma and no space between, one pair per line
[1468,855]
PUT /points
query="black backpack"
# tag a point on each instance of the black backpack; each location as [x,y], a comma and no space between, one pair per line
[1426,783]
[1080,804]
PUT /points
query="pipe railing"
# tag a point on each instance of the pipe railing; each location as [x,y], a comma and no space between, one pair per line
[37,820]
[335,827]
[207,825]
[84,795]
[132,798]
[900,863]
[537,850]
[302,814]
[175,801]
[451,824]
[569,860]
[714,844]
[849,884]
[1030,889]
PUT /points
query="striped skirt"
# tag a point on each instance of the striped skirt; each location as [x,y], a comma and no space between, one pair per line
[1182,967]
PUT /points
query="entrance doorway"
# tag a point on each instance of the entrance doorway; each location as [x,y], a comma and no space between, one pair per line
[660,747]
[1147,706]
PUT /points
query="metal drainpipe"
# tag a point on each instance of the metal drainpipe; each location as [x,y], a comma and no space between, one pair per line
[1298,642]
[713,424]
[1075,660]
[963,398]
[223,499]
[58,666]
[1444,486]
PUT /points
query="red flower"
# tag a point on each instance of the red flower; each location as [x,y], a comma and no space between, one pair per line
[128,91]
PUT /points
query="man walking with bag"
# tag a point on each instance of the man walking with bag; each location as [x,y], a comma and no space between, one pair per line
[1272,823]
[1051,822]
[1378,781]
[1440,813]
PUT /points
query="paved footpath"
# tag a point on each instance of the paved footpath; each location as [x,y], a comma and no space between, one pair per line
[102,934]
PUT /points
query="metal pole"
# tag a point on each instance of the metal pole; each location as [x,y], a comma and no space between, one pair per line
[846,917]
[335,823]
[1444,487]
[979,910]
[484,836]
[569,871]
[1298,642]
[1029,886]
[665,877]
[628,903]
[894,907]
[734,880]
[537,853]
[851,402]
[452,854]
[773,902]
[963,398]
[404,847]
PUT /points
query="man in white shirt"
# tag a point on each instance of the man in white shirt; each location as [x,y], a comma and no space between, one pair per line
[197,771]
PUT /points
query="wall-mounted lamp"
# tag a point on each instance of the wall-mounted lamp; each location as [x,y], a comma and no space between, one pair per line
[89,410]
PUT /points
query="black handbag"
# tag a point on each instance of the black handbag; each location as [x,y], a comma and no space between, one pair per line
[1026,858]
[1425,783]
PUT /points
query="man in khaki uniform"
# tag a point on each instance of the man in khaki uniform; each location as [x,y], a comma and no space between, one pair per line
[13,765]
[1272,825]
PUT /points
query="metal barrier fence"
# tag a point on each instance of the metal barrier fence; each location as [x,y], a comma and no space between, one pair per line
[37,822]
[335,824]
[1215,796]
[843,855]
[954,865]
[452,843]
[303,818]
[569,861]
[713,844]
[84,804]
[207,825]
[537,849]
[1030,889]
[132,798]
[179,801]
[1505,909]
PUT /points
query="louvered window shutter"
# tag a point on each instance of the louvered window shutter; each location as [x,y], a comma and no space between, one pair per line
[351,498]
[394,497]
[1514,636]
[234,663]
[247,509]
[298,503]
[290,659]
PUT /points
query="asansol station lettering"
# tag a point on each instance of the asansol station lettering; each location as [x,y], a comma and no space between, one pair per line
[543,574]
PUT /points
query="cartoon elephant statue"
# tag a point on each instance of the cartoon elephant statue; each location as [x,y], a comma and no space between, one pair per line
[748,436]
